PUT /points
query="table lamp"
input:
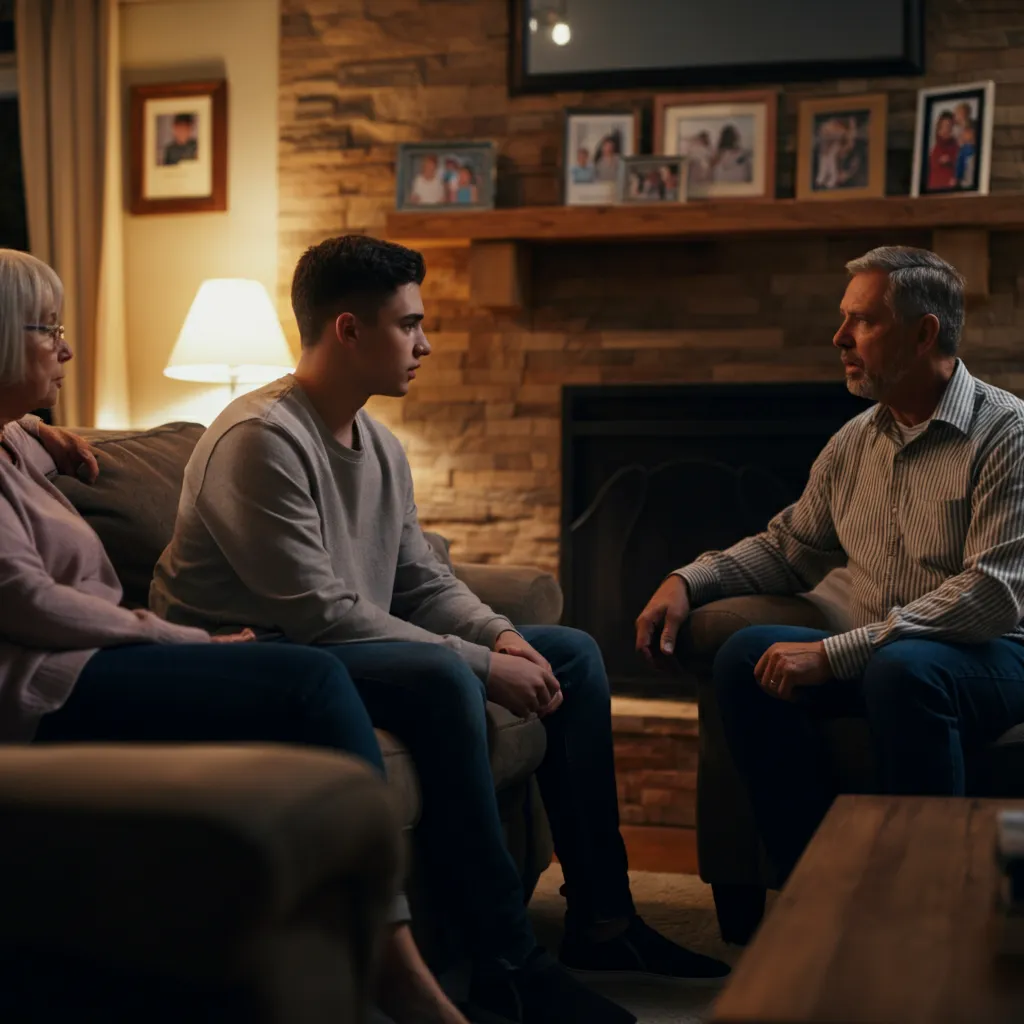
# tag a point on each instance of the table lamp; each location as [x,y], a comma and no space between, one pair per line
[230,336]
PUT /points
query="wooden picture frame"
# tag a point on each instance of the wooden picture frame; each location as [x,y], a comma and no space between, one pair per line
[178,147]
[595,182]
[746,120]
[931,175]
[841,146]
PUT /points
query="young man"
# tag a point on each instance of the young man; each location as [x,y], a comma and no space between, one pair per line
[297,515]
[922,497]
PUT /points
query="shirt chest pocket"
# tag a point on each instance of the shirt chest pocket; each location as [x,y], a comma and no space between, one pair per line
[934,531]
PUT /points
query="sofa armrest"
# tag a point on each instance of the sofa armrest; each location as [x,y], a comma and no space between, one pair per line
[185,858]
[712,624]
[527,596]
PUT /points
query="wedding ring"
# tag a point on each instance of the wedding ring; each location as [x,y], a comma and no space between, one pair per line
[773,683]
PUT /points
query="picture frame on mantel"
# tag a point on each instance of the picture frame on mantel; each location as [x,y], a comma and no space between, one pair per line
[727,138]
[841,145]
[445,175]
[178,147]
[953,140]
[596,143]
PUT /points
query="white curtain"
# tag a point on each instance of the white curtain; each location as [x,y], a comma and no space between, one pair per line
[70,112]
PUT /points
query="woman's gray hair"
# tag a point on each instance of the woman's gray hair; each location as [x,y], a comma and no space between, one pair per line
[28,290]
[920,283]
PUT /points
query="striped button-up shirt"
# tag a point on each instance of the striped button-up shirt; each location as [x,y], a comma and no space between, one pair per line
[932,530]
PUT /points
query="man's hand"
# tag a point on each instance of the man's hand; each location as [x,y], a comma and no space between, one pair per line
[521,685]
[510,642]
[666,611]
[785,666]
[71,454]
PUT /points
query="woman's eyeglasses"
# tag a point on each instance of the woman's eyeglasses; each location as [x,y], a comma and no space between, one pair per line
[55,331]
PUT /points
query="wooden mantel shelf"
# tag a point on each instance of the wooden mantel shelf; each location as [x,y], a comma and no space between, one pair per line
[706,219]
[500,240]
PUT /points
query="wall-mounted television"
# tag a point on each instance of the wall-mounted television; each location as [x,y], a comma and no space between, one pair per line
[6,26]
[611,44]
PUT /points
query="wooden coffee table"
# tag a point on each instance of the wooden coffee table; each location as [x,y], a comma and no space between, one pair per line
[888,918]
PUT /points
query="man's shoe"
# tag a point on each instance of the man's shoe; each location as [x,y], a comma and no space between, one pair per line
[540,992]
[640,952]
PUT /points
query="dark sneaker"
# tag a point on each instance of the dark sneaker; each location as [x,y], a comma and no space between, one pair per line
[640,952]
[541,992]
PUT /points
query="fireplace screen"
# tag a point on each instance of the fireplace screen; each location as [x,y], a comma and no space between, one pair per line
[654,475]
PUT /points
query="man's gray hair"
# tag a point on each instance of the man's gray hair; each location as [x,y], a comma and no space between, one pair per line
[28,289]
[920,283]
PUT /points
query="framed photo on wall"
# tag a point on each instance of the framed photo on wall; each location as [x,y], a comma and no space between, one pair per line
[596,143]
[179,147]
[652,179]
[445,176]
[728,140]
[841,147]
[953,140]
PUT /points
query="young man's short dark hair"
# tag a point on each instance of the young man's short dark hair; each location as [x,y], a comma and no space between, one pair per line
[352,273]
[188,119]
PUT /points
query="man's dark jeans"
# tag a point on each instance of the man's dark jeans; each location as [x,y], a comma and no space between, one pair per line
[430,699]
[927,705]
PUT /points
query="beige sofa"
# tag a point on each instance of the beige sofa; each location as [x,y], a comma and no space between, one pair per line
[729,849]
[237,885]
[132,507]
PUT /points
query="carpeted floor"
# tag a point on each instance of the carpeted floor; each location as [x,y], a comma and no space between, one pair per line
[679,906]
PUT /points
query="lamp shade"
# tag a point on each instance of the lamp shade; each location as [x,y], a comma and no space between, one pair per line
[230,336]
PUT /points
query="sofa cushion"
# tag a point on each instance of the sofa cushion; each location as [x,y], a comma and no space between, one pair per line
[401,775]
[517,749]
[517,745]
[133,504]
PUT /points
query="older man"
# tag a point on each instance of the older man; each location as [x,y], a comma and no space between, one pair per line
[922,496]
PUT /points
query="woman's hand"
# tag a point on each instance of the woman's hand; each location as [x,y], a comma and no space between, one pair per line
[234,638]
[71,454]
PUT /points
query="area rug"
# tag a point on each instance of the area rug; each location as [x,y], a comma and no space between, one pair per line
[679,906]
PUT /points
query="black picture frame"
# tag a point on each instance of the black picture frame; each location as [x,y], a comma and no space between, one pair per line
[947,97]
[521,82]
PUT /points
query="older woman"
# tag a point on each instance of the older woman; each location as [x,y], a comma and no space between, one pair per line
[76,666]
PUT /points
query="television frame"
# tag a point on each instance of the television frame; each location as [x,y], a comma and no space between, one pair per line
[521,81]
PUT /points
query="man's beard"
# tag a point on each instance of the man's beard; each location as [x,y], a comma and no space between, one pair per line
[878,386]
[867,386]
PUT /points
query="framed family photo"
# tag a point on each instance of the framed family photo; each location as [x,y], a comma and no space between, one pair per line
[179,147]
[446,176]
[728,140]
[653,179]
[841,147]
[953,140]
[596,143]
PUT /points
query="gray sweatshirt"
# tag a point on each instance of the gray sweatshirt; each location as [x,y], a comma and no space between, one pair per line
[281,528]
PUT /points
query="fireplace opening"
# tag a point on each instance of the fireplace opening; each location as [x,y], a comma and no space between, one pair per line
[654,475]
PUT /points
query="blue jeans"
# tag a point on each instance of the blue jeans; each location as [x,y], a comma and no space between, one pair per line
[430,699]
[929,706]
[215,693]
